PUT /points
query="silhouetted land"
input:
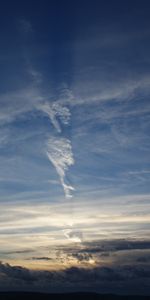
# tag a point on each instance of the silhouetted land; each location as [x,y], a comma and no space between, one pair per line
[67,296]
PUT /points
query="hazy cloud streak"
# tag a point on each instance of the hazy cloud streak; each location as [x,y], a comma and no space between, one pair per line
[57,114]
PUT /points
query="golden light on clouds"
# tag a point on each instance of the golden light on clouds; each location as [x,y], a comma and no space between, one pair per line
[31,232]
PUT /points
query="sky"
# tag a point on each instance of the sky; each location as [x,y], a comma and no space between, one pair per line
[74,146]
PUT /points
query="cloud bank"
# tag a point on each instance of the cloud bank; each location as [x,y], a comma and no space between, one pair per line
[116,279]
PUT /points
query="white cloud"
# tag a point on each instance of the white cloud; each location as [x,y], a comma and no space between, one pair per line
[57,113]
[73,235]
[96,88]
[60,154]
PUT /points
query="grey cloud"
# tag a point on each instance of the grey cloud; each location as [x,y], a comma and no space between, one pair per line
[116,245]
[119,251]
[77,278]
[81,257]
[144,258]
[17,251]
[16,272]
[41,258]
[108,246]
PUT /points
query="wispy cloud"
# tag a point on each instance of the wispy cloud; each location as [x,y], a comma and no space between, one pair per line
[25,26]
[57,113]
[104,99]
[73,235]
[59,152]
[16,103]
[34,74]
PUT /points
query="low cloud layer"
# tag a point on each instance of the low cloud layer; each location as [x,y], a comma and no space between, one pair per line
[100,279]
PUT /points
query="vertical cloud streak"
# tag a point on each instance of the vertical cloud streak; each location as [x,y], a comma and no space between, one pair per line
[57,113]
[59,149]
[60,154]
